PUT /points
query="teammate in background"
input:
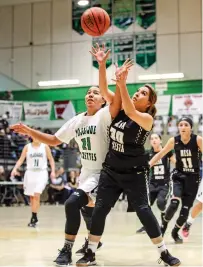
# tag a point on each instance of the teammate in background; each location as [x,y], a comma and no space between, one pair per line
[36,175]
[196,210]
[185,175]
[159,176]
[125,168]
[90,130]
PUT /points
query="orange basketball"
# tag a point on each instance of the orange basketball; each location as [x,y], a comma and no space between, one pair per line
[95,21]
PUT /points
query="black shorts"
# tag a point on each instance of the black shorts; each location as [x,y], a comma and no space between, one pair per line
[185,186]
[134,183]
[158,191]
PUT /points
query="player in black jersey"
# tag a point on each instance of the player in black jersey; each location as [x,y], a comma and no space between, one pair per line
[159,176]
[126,166]
[185,175]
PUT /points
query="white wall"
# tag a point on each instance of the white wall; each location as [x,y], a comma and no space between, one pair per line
[37,42]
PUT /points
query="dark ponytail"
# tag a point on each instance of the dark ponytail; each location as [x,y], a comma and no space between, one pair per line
[152,99]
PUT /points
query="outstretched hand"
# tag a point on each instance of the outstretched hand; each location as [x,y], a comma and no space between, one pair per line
[99,53]
[121,73]
[20,128]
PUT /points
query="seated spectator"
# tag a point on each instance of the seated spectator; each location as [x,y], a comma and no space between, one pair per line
[158,126]
[2,173]
[200,125]
[57,192]
[172,125]
[72,180]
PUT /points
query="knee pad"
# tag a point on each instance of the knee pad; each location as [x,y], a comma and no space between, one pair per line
[184,212]
[172,209]
[76,201]
[87,216]
[161,204]
[98,219]
[72,208]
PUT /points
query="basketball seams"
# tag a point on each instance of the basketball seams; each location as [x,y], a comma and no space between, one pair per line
[104,20]
[83,20]
[95,22]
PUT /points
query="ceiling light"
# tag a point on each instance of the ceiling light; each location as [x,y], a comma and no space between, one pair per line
[58,83]
[83,2]
[164,76]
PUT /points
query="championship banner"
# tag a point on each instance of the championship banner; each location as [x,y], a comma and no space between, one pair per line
[145,13]
[190,104]
[64,110]
[145,49]
[163,105]
[13,109]
[37,110]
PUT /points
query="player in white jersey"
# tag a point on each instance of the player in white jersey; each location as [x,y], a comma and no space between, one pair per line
[36,175]
[90,130]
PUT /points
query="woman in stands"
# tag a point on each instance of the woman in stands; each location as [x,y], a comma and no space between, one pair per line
[90,130]
[36,175]
[126,165]
[185,175]
[159,176]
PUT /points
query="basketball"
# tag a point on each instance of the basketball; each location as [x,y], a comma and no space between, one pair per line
[95,21]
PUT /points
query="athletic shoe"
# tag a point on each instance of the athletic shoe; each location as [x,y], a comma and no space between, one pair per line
[81,251]
[88,259]
[176,237]
[141,230]
[168,259]
[33,223]
[64,257]
[186,229]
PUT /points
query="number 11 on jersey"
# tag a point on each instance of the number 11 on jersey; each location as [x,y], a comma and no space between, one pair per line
[86,144]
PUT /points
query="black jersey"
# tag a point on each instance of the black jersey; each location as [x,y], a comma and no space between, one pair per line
[187,155]
[160,172]
[127,139]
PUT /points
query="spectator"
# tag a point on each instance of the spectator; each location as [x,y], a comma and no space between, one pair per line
[57,190]
[8,96]
[72,181]
[2,173]
[172,125]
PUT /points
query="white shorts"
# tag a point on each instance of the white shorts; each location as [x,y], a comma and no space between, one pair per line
[199,196]
[88,180]
[35,182]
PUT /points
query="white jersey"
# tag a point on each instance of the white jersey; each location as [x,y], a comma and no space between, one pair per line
[36,157]
[91,134]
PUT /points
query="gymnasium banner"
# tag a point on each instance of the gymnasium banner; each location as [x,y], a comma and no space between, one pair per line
[37,110]
[64,110]
[145,49]
[145,13]
[190,104]
[163,105]
[13,109]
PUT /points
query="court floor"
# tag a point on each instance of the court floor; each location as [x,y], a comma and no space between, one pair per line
[23,246]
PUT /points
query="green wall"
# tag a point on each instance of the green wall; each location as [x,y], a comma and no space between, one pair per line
[77,94]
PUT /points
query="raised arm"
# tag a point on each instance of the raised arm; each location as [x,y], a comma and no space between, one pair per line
[143,119]
[20,161]
[168,147]
[101,56]
[48,139]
